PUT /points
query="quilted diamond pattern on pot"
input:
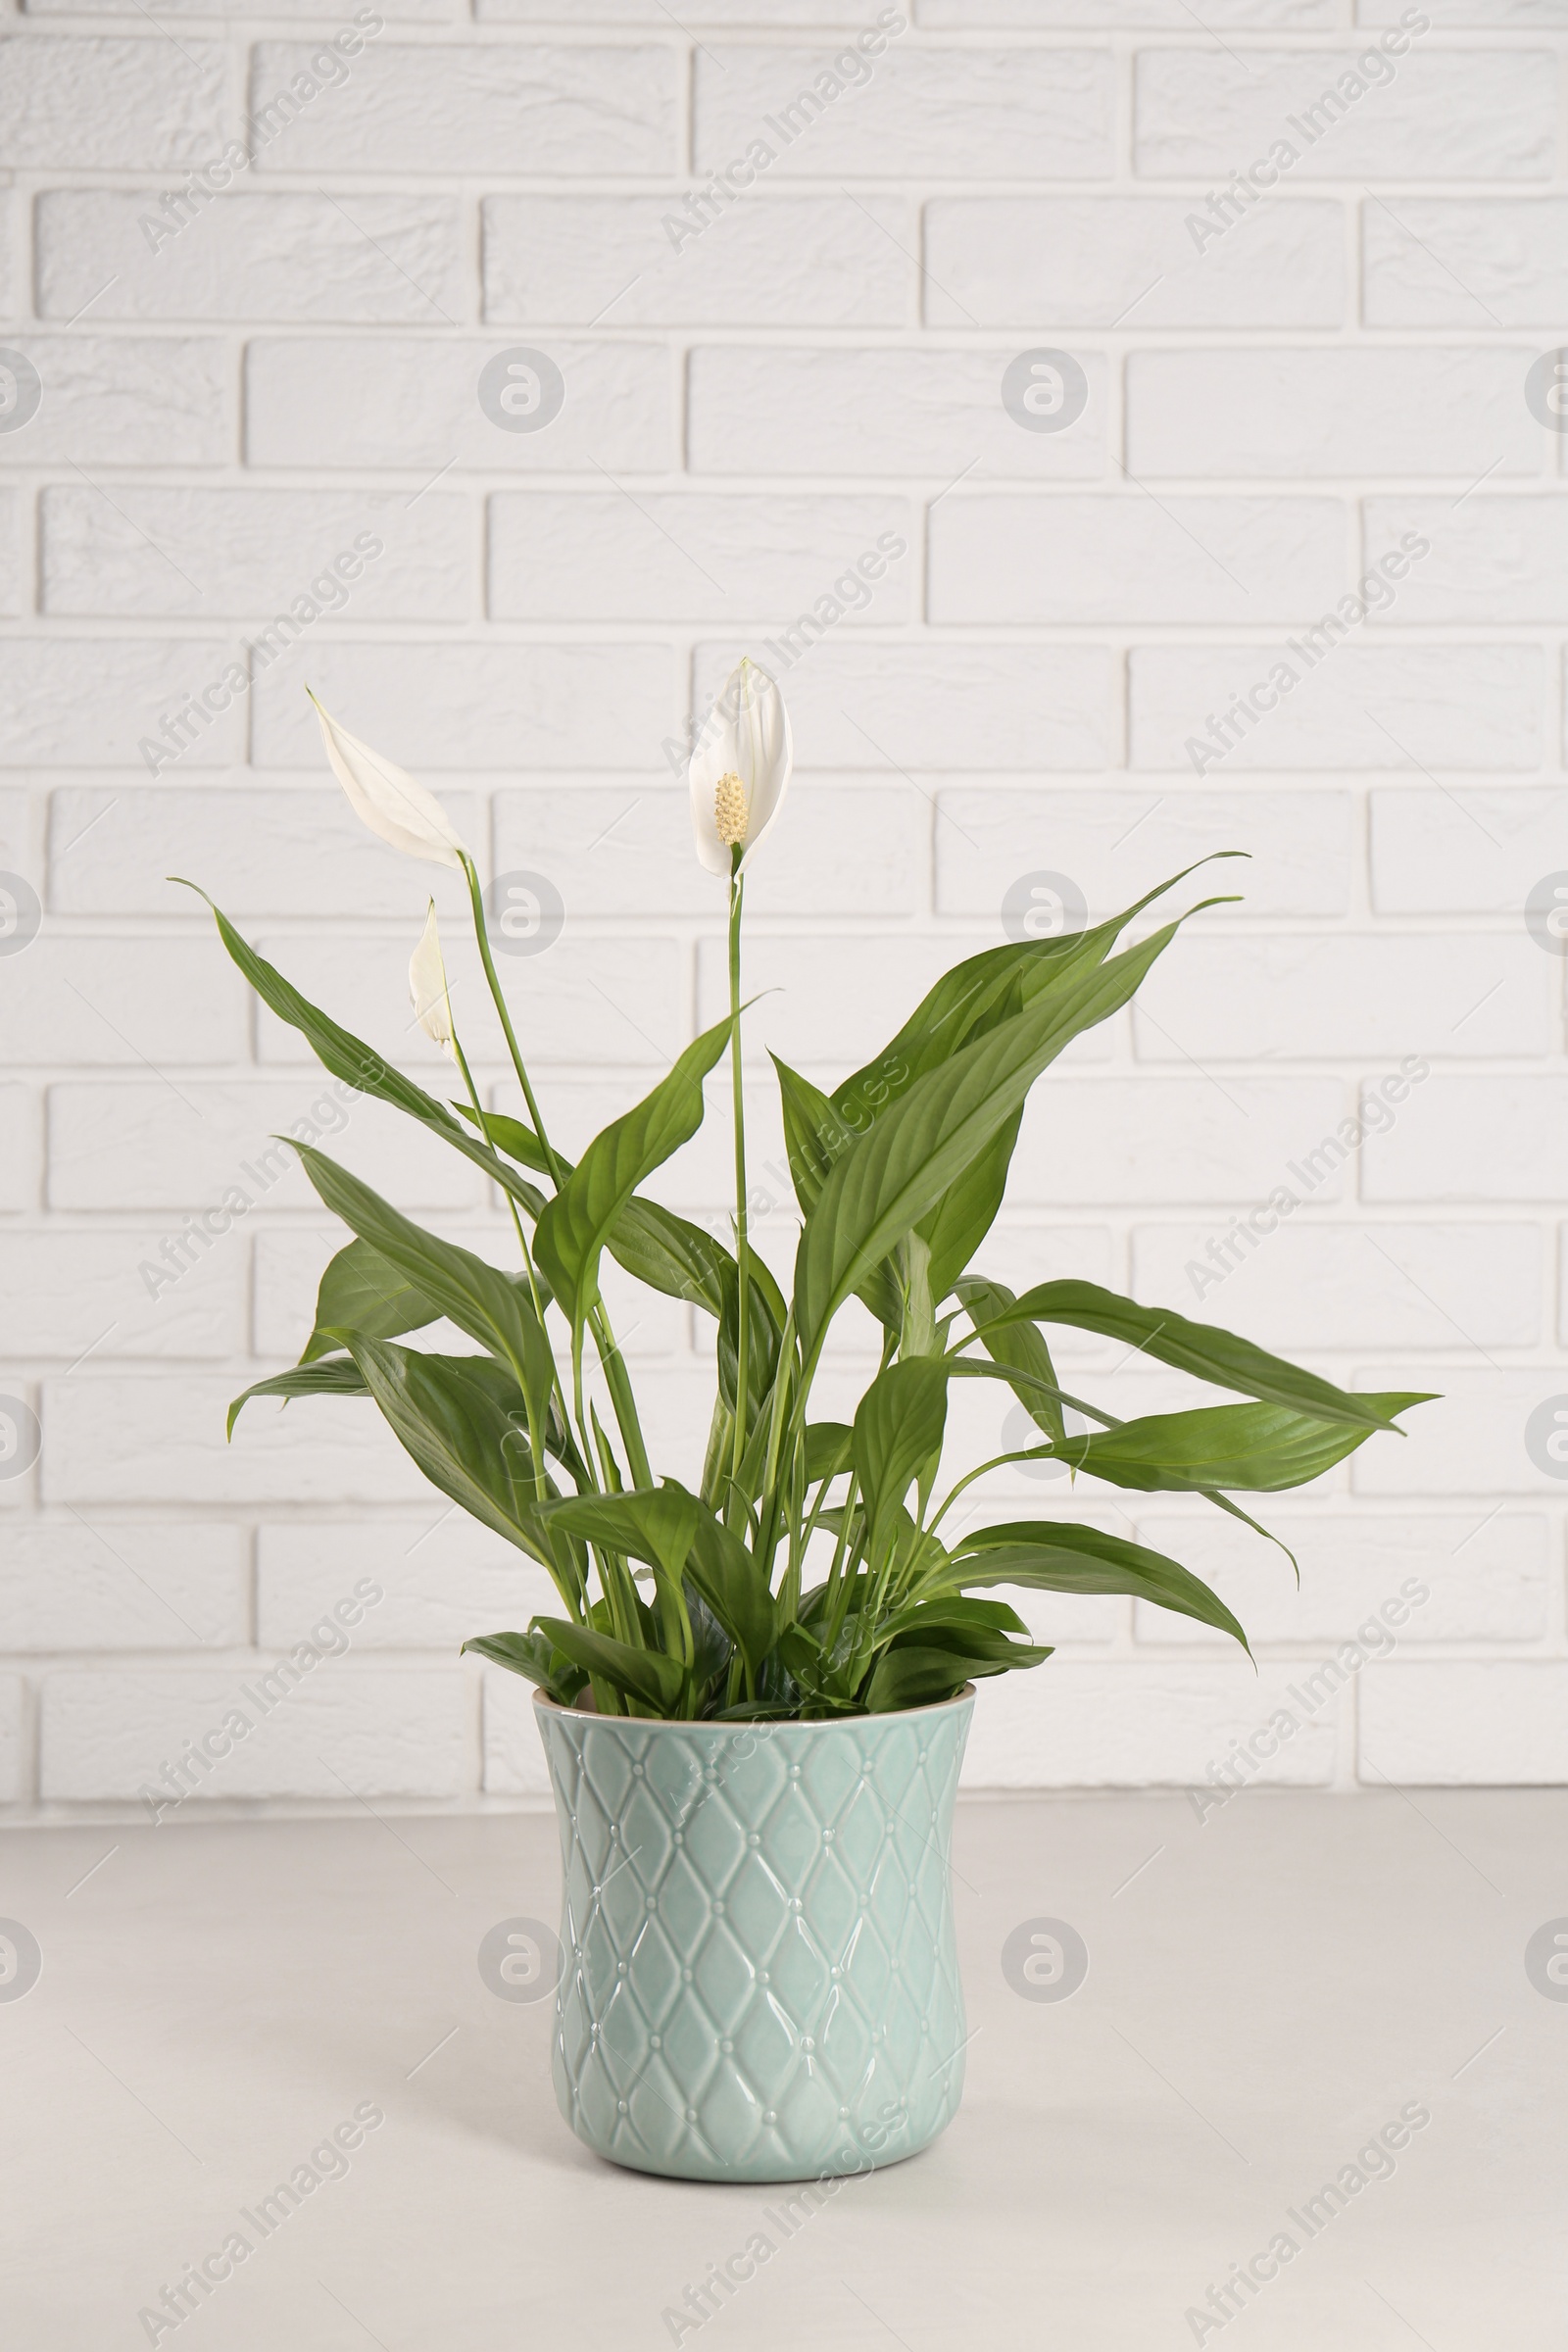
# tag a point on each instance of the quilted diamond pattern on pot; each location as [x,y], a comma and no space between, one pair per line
[759,1979]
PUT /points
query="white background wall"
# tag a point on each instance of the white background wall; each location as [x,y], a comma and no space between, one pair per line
[746,411]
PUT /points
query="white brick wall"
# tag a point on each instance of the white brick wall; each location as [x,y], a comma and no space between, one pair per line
[760,383]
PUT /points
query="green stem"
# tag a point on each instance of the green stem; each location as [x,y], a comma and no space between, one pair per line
[481,933]
[743,1247]
[604,1338]
[535,1439]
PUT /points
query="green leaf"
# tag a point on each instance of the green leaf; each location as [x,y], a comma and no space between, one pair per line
[671,1254]
[658,1248]
[1201,1348]
[968,1003]
[533,1655]
[712,1647]
[955,1228]
[364,1290]
[899,1427]
[920,1146]
[829,1449]
[655,1524]
[1262,1447]
[1015,1346]
[952,1612]
[644,1675]
[508,1135]
[575,1226]
[765,1337]
[924,1676]
[492,1307]
[814,1136]
[464,1421]
[816,1140]
[1055,1556]
[974,996]
[735,1587]
[339,1378]
[358,1064]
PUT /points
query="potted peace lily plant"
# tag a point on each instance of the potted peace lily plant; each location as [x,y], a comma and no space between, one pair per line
[754,1692]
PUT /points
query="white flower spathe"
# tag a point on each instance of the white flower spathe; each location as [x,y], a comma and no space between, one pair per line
[740,769]
[427,988]
[393,803]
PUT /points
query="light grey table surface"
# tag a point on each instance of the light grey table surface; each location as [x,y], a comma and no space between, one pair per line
[1268,1990]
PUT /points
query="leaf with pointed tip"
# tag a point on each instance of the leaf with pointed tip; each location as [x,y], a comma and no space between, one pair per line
[1261,1449]
[816,1139]
[1057,1557]
[953,1612]
[534,1655]
[666,1250]
[919,1147]
[647,1676]
[576,1225]
[492,1307]
[1016,1347]
[922,1676]
[655,1524]
[829,1449]
[899,1427]
[358,1064]
[671,1254]
[339,1378]
[1201,1348]
[364,1290]
[464,1422]
[974,996]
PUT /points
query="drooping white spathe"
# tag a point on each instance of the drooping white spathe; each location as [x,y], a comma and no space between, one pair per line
[427,988]
[746,734]
[393,803]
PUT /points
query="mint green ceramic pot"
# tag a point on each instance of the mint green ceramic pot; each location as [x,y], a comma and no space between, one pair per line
[758,1978]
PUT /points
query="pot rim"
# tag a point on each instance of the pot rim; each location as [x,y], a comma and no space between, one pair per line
[788,1723]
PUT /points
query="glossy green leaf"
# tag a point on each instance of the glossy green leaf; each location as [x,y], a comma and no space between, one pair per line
[365,1291]
[731,1581]
[816,1139]
[1201,1348]
[974,996]
[1015,1346]
[658,1248]
[534,1655]
[655,1524]
[954,1612]
[919,1147]
[492,1307]
[350,1059]
[1052,1555]
[339,1378]
[899,1427]
[576,1225]
[510,1136]
[671,1254]
[464,1423]
[813,1135]
[955,1228]
[922,1676]
[1259,1448]
[829,1449]
[647,1676]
